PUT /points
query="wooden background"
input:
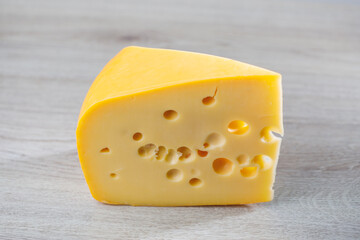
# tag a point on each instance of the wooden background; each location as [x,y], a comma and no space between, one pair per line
[50,52]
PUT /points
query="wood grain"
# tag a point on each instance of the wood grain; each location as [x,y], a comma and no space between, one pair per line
[50,51]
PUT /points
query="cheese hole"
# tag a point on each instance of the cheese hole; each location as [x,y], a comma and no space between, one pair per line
[175,175]
[268,136]
[223,166]
[249,172]
[114,175]
[172,157]
[186,153]
[264,162]
[137,136]
[105,150]
[276,134]
[170,115]
[208,100]
[162,151]
[214,140]
[202,153]
[147,151]
[238,127]
[195,182]
[243,159]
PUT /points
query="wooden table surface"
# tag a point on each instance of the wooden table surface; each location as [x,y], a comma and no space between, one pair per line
[50,52]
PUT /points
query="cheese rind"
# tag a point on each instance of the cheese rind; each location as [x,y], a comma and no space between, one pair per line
[137,69]
[180,128]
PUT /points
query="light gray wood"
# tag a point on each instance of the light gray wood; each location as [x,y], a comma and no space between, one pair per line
[50,52]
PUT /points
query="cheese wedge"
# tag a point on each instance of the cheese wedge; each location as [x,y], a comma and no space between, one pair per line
[172,128]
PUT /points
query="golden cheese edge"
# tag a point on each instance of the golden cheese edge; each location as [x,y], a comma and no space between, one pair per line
[173,67]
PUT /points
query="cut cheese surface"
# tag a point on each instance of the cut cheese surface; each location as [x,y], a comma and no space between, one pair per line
[172,128]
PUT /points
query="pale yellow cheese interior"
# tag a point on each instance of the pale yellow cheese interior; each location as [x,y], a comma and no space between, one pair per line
[203,139]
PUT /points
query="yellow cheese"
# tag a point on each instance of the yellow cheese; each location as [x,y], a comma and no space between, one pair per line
[172,128]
